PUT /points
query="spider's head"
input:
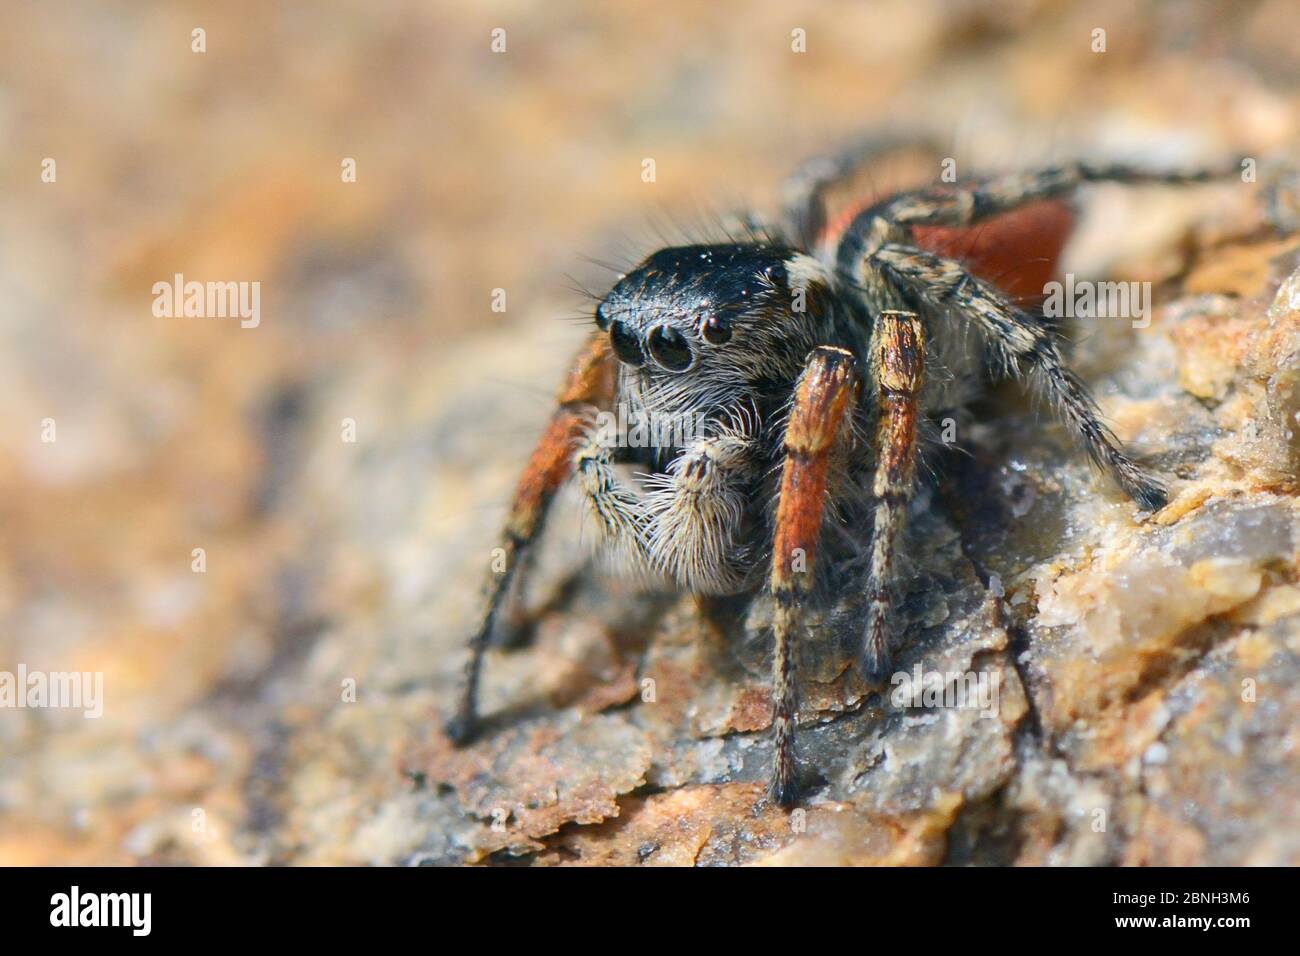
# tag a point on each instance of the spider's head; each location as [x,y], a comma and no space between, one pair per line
[700,307]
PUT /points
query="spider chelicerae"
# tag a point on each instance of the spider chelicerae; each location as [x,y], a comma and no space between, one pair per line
[817,358]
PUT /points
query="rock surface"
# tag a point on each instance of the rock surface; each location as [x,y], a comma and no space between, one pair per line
[285,705]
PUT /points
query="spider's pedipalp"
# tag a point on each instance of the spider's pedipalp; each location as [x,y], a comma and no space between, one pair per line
[823,400]
[696,512]
[615,507]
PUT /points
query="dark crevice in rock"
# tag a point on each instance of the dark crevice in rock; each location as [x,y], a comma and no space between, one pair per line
[985,832]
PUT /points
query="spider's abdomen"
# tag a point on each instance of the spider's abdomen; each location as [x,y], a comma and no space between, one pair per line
[1018,252]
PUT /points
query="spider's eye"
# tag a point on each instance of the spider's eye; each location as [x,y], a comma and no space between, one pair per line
[670,348]
[625,344]
[602,319]
[716,329]
[776,274]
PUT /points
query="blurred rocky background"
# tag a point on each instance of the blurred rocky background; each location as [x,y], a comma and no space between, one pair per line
[282,705]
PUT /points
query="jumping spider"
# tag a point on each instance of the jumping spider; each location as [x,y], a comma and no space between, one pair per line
[819,363]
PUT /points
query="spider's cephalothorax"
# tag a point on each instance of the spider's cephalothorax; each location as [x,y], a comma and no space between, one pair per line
[698,327]
[782,390]
[709,341]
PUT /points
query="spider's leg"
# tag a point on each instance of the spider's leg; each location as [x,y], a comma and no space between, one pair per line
[803,193]
[591,382]
[822,406]
[983,200]
[1021,345]
[897,366]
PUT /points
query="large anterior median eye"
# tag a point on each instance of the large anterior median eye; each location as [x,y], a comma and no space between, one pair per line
[625,344]
[670,348]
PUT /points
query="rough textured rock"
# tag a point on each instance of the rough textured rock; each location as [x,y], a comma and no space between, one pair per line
[1149,684]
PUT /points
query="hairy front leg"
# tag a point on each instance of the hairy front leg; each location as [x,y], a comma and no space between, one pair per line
[823,401]
[591,383]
